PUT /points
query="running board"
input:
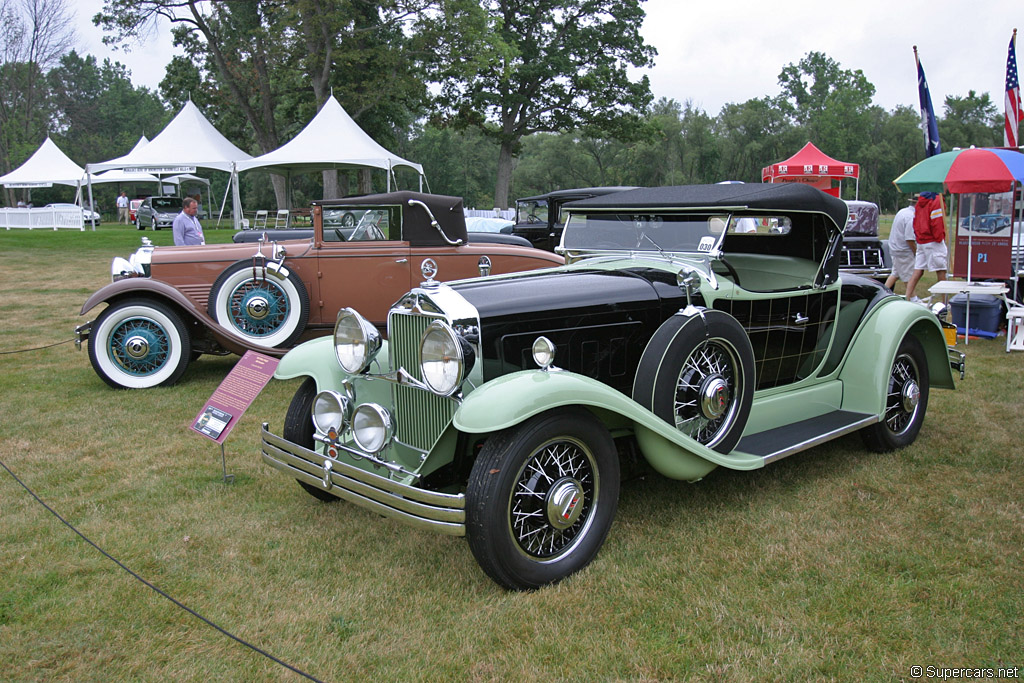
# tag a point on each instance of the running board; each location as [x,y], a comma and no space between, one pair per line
[775,444]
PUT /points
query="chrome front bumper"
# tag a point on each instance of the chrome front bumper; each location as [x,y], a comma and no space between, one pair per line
[441,512]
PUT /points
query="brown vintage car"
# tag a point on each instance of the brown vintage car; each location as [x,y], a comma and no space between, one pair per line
[168,305]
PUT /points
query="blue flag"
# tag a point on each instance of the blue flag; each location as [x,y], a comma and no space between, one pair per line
[928,122]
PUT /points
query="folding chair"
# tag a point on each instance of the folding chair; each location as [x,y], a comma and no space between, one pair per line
[281,221]
[260,221]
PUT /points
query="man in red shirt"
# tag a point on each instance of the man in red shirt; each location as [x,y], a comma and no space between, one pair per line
[930,232]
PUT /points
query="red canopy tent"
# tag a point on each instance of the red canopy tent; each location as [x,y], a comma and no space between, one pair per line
[812,166]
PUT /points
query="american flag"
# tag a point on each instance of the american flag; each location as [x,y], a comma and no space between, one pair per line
[1013,108]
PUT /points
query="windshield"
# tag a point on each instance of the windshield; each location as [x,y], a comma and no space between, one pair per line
[649,232]
[688,232]
[532,211]
[164,204]
[361,224]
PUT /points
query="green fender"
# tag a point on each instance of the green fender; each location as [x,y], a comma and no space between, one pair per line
[316,359]
[865,372]
[511,399]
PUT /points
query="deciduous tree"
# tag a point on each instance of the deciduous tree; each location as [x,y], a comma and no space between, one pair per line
[546,66]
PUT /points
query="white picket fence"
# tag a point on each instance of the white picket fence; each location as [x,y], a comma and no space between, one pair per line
[42,218]
[507,214]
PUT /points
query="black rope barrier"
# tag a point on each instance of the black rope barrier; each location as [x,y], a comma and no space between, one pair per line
[38,348]
[151,586]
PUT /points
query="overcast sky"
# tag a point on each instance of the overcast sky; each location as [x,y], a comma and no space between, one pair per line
[712,53]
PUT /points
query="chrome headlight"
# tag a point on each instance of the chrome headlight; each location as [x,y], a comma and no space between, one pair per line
[356,341]
[445,358]
[120,268]
[543,352]
[372,428]
[331,412]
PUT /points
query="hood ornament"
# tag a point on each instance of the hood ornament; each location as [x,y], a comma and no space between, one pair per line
[428,268]
[484,265]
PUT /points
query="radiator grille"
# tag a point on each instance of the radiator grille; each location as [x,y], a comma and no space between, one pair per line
[861,258]
[420,415]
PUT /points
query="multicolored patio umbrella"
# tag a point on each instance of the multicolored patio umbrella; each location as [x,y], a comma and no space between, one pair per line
[978,169]
[965,171]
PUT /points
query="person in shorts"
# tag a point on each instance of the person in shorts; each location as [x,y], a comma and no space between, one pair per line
[930,233]
[902,245]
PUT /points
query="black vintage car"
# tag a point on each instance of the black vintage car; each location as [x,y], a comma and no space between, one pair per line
[497,408]
[864,252]
[540,219]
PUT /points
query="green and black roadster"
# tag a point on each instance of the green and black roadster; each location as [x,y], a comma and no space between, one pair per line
[701,326]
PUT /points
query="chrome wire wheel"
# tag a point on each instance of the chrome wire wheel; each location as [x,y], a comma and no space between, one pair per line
[267,307]
[139,346]
[258,308]
[708,392]
[903,396]
[541,498]
[905,401]
[553,499]
[697,374]
[139,343]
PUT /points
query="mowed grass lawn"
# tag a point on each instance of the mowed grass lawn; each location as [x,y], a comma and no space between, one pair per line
[834,564]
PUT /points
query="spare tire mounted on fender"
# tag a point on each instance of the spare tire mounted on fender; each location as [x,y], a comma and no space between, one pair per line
[264,303]
[697,373]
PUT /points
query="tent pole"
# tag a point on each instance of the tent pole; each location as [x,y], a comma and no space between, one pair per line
[236,201]
[223,202]
[88,179]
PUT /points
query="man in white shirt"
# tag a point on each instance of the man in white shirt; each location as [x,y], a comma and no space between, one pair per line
[186,228]
[122,208]
[902,245]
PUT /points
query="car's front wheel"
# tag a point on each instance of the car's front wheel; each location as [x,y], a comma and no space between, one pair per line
[906,400]
[541,498]
[298,428]
[138,344]
[267,307]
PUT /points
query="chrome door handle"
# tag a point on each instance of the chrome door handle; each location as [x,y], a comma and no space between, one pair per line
[402,260]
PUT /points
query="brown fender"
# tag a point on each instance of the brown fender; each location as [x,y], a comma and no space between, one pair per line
[140,286]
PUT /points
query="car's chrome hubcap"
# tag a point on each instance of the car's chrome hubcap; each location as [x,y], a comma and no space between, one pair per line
[911,396]
[257,307]
[137,346]
[565,503]
[714,397]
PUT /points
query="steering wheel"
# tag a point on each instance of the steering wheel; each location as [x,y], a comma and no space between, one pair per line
[733,275]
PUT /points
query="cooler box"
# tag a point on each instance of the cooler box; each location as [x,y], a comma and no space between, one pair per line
[986,312]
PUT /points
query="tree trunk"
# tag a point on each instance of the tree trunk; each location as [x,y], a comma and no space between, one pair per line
[365,181]
[280,184]
[504,182]
[331,184]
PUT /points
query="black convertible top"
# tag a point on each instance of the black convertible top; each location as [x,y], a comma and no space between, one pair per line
[580,192]
[416,227]
[752,197]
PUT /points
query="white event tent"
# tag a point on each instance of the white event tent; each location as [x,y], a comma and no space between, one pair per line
[188,142]
[47,166]
[332,140]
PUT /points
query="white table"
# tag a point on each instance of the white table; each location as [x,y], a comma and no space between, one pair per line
[968,288]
